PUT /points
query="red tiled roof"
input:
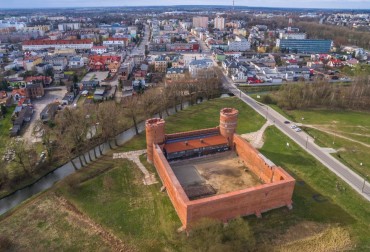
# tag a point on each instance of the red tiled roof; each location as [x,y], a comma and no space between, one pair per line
[116,39]
[98,47]
[195,144]
[38,78]
[20,91]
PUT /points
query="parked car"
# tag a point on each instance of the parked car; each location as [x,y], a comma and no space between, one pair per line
[293,126]
[298,130]
[286,122]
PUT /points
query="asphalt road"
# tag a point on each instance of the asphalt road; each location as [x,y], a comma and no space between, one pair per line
[357,182]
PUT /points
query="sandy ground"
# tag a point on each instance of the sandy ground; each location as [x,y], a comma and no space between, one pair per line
[224,172]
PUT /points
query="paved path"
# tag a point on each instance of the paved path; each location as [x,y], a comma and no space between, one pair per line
[149,178]
[256,138]
[305,141]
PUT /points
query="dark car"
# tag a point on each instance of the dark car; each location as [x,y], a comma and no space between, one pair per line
[286,122]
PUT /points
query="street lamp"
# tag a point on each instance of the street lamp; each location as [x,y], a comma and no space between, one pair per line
[363,186]
[307,142]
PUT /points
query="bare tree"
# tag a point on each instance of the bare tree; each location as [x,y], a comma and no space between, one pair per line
[131,109]
[24,155]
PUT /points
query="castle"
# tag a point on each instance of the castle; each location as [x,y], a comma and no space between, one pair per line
[214,173]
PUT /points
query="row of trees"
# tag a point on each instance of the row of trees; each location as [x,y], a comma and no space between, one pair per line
[76,130]
[354,96]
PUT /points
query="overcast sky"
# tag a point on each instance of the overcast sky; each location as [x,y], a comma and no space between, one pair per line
[351,4]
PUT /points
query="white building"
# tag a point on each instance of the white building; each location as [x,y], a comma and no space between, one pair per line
[115,42]
[284,35]
[196,65]
[76,62]
[239,44]
[219,23]
[16,25]
[81,44]
[69,26]
[99,49]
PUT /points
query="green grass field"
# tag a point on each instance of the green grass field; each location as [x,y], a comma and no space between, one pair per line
[326,216]
[343,131]
[5,125]
[346,131]
[319,195]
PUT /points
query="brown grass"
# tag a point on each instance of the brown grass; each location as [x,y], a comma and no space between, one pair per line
[331,239]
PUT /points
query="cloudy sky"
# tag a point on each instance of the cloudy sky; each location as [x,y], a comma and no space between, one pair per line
[352,4]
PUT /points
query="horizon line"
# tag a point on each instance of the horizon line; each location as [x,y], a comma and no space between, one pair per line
[183,5]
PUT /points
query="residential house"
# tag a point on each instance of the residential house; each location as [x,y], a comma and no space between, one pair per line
[43,67]
[44,80]
[23,115]
[30,63]
[76,62]
[49,112]
[35,90]
[68,98]
[101,62]
[197,65]
[334,63]
[58,63]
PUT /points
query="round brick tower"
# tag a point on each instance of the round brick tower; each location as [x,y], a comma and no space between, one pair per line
[155,134]
[228,123]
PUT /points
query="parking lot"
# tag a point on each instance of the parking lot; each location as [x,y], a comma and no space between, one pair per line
[39,105]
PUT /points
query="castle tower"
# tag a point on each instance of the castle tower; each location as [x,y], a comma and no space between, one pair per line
[155,134]
[228,123]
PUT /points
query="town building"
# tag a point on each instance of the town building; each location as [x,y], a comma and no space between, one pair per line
[219,23]
[239,44]
[99,49]
[200,22]
[162,62]
[290,35]
[76,62]
[101,62]
[118,42]
[196,66]
[69,26]
[81,44]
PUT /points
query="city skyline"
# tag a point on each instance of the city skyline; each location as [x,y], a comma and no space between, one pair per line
[344,4]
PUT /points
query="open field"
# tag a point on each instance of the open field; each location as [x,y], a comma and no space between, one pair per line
[348,132]
[319,197]
[109,197]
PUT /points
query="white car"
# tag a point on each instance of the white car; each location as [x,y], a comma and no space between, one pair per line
[298,130]
[293,126]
